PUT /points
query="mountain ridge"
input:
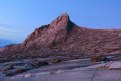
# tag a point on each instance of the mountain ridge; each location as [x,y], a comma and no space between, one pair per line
[62,37]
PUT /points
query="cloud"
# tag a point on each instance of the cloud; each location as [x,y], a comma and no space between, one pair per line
[11,32]
[8,28]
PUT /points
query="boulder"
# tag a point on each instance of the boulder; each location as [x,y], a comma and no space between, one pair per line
[37,64]
[27,75]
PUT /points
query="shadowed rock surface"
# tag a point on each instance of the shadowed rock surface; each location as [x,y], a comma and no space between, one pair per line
[64,38]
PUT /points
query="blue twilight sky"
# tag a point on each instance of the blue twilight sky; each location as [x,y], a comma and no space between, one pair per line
[18,18]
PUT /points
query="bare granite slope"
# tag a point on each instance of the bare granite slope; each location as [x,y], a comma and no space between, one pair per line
[64,38]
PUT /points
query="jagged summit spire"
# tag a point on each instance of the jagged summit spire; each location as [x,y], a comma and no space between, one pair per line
[65,14]
[61,20]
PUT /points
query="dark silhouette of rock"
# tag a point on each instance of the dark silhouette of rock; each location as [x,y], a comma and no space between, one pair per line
[64,38]
[39,64]
[54,61]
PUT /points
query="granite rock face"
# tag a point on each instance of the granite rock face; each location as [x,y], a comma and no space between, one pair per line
[64,38]
[49,34]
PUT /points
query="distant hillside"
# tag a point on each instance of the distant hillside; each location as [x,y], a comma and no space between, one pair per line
[4,43]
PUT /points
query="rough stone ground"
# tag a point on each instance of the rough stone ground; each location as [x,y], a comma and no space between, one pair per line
[73,75]
[67,71]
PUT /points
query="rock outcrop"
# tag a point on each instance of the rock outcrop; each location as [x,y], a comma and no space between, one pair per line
[47,38]
[64,38]
[55,32]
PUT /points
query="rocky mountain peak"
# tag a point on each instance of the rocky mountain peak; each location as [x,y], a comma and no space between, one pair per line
[63,37]
[61,21]
[55,32]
